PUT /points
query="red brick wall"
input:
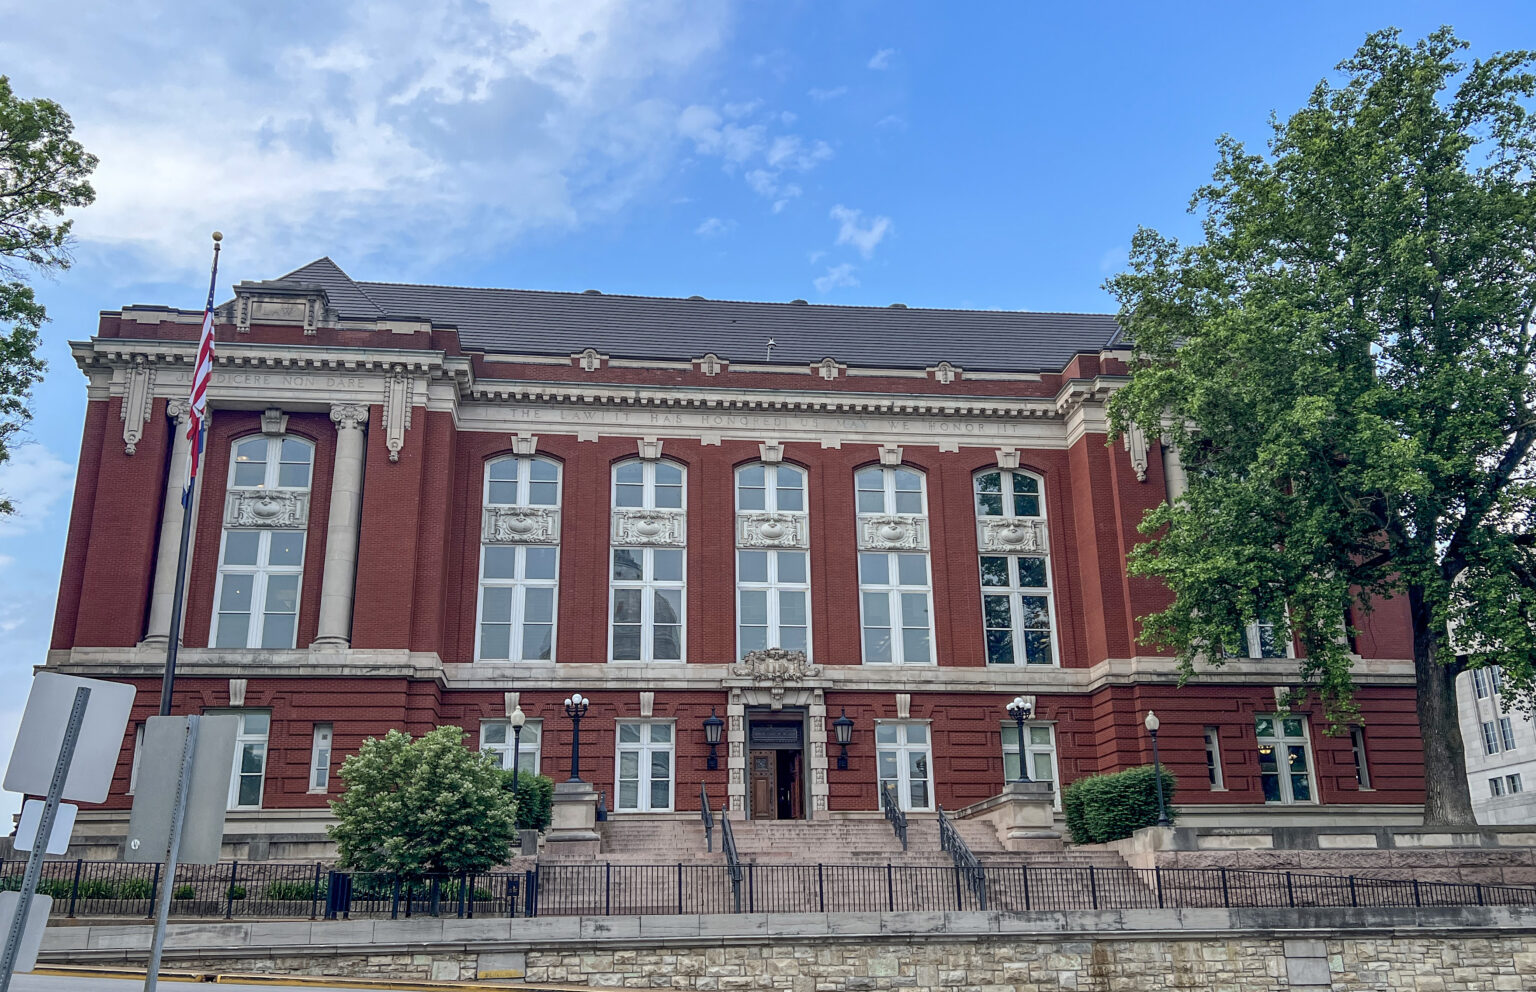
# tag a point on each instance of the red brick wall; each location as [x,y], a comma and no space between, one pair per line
[81,516]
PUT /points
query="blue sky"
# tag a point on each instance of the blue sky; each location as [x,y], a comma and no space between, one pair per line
[995,155]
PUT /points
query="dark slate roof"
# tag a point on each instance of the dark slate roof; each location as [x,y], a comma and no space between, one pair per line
[525,321]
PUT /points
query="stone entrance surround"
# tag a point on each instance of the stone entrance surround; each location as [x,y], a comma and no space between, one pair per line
[1251,950]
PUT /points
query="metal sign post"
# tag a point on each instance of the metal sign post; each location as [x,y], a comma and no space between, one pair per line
[44,831]
[179,810]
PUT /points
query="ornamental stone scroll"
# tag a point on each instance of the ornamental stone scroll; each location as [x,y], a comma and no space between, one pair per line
[893,532]
[520,525]
[771,529]
[1012,535]
[649,528]
[266,508]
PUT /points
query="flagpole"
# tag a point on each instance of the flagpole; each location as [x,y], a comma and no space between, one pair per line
[173,643]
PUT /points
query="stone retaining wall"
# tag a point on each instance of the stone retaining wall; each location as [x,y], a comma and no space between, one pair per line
[1268,950]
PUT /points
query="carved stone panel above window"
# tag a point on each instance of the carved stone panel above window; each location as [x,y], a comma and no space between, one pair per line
[266,508]
[634,527]
[893,532]
[1012,535]
[520,525]
[771,529]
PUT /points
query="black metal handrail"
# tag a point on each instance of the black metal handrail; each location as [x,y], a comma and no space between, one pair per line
[708,818]
[968,867]
[893,813]
[732,858]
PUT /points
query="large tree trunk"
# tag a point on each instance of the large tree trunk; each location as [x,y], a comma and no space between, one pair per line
[1447,799]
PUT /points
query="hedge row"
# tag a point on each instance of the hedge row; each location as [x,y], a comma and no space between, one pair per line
[1102,808]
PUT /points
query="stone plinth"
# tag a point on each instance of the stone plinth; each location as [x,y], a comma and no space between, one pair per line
[1025,816]
[573,821]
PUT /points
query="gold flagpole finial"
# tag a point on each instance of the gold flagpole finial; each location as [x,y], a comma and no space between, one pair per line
[218,236]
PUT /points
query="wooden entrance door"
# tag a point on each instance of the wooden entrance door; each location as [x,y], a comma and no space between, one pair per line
[765,785]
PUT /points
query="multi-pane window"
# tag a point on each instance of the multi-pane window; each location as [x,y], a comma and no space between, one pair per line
[1285,762]
[644,766]
[496,737]
[1480,682]
[1514,782]
[1496,786]
[904,759]
[889,490]
[896,604]
[320,759]
[1507,733]
[1015,588]
[773,590]
[647,604]
[250,760]
[1357,749]
[650,485]
[1039,750]
[774,488]
[518,569]
[1213,759]
[1490,737]
[261,568]
[1263,640]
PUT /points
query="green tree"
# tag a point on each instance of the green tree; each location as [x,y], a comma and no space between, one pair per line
[1345,362]
[422,806]
[42,172]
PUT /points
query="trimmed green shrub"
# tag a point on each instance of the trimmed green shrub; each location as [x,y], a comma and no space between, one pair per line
[183,892]
[291,890]
[235,892]
[535,798]
[135,888]
[1102,808]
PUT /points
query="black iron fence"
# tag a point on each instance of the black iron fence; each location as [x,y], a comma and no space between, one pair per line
[267,890]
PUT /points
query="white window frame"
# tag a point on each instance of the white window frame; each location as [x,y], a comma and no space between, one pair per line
[1496,787]
[1515,783]
[1491,737]
[1033,751]
[645,748]
[520,584]
[1282,743]
[263,570]
[1506,733]
[771,488]
[242,738]
[888,488]
[1480,683]
[648,585]
[772,589]
[1362,761]
[893,590]
[648,484]
[322,742]
[1213,759]
[1254,646]
[530,746]
[138,748]
[902,747]
[1015,590]
[524,480]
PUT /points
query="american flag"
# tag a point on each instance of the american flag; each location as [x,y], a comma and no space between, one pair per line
[201,373]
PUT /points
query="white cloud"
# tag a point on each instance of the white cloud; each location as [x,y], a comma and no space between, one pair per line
[789,152]
[713,227]
[882,58]
[713,136]
[836,276]
[1113,259]
[35,480]
[822,96]
[892,121]
[365,124]
[853,230]
[736,110]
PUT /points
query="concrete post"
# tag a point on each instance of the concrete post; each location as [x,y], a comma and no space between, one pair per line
[341,529]
[170,528]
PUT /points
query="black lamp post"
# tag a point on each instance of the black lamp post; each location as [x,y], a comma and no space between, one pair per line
[576,708]
[712,728]
[843,727]
[1152,723]
[517,719]
[1020,709]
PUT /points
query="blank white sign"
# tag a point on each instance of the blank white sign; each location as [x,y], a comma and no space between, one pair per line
[32,934]
[42,735]
[32,816]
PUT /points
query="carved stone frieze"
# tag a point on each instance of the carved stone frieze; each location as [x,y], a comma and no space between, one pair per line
[398,387]
[775,669]
[649,528]
[138,403]
[520,525]
[771,529]
[1136,443]
[266,508]
[1012,535]
[893,532]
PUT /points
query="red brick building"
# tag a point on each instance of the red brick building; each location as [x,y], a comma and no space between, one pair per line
[424,505]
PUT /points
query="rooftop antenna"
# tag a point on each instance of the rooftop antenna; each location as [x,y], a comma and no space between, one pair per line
[771,343]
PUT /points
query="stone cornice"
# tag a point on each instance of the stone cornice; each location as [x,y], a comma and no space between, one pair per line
[113,353]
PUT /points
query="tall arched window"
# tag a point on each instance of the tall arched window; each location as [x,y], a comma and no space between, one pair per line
[261,556]
[773,580]
[519,560]
[895,587]
[647,604]
[1015,568]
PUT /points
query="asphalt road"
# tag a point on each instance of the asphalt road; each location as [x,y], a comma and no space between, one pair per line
[62,983]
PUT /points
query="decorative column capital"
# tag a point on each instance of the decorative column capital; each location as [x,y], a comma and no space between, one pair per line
[179,411]
[349,416]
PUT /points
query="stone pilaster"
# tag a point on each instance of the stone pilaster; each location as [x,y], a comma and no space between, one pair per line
[336,588]
[159,634]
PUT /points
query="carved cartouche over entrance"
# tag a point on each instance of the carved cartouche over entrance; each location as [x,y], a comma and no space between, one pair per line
[774,669]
